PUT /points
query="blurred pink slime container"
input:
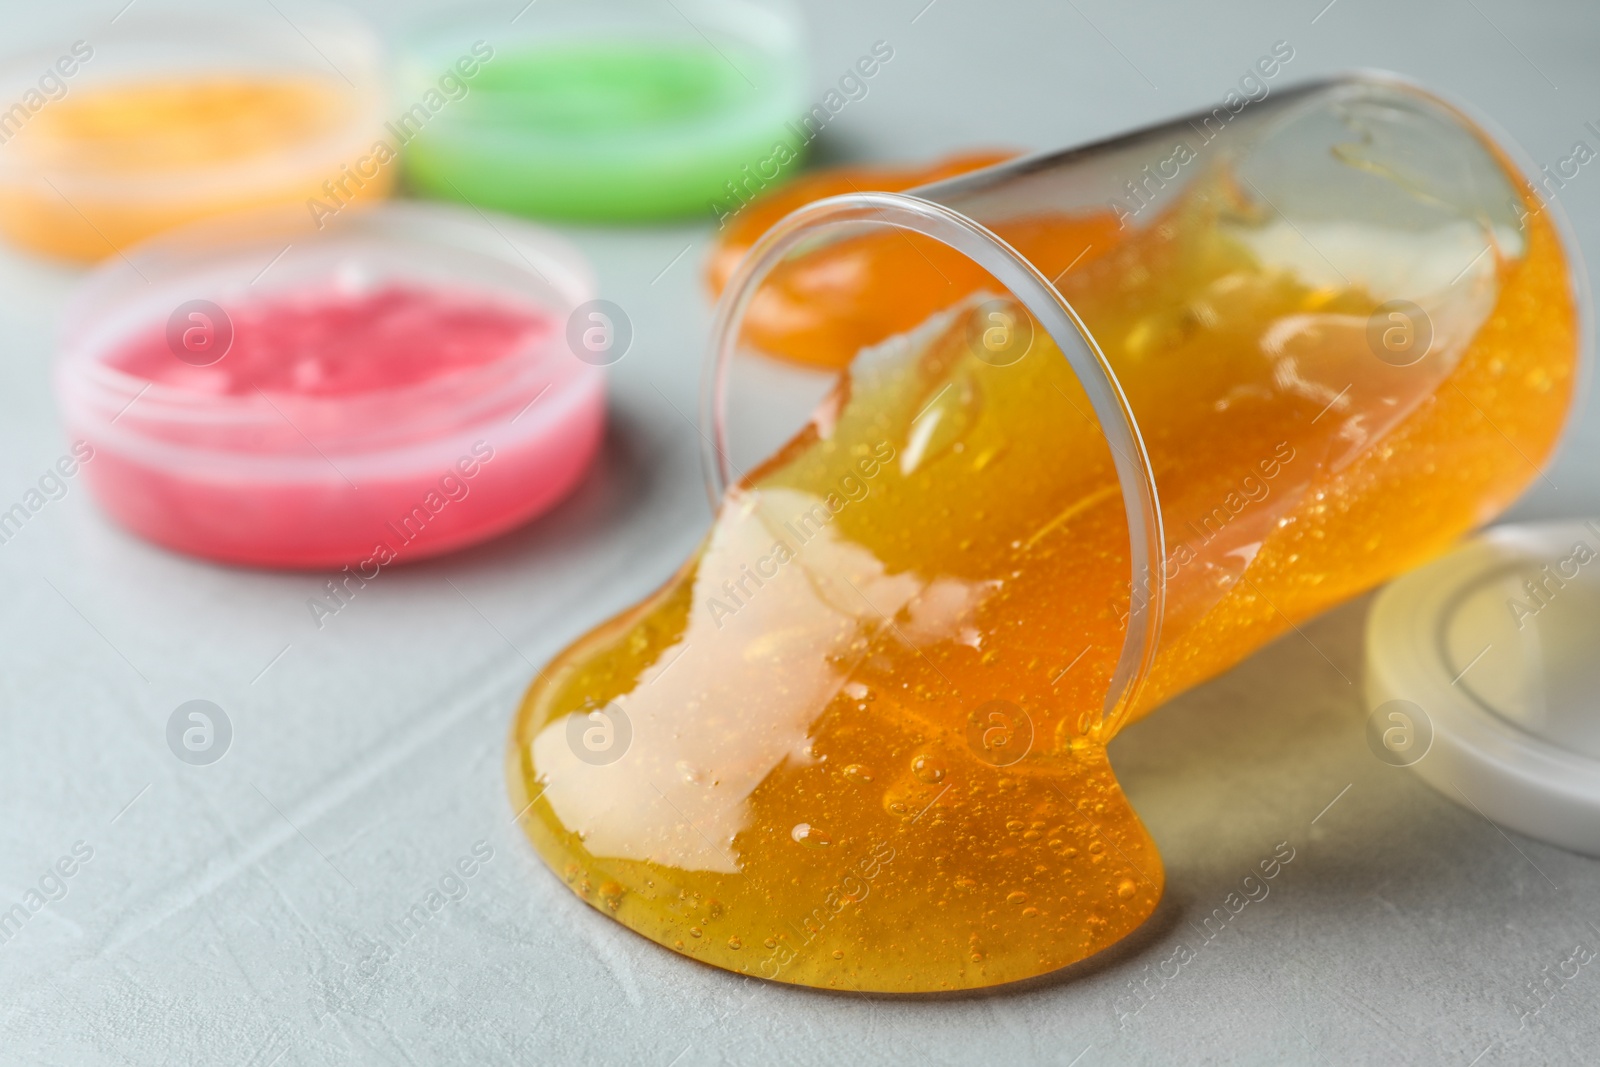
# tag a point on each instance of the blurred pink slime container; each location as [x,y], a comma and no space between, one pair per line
[395,385]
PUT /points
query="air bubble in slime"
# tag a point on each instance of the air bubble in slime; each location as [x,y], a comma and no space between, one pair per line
[178,113]
[859,740]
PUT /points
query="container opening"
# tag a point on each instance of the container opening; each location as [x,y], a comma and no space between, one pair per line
[919,347]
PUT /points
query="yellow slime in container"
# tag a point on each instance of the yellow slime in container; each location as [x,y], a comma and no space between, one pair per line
[857,741]
[107,166]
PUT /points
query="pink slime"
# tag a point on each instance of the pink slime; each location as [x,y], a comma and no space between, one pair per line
[349,428]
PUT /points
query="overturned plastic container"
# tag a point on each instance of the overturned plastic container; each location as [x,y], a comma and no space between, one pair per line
[395,384]
[1107,421]
[177,111]
[1276,312]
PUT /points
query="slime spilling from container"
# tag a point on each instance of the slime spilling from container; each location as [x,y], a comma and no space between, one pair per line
[857,741]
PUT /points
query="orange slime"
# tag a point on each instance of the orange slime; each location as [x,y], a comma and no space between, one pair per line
[788,763]
[104,168]
[823,309]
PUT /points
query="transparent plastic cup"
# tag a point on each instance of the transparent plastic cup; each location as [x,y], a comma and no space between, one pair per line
[1108,420]
[1364,182]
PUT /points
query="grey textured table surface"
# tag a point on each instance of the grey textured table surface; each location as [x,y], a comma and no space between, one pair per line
[239,913]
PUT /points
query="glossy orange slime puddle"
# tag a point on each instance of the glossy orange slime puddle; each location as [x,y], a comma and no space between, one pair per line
[803,758]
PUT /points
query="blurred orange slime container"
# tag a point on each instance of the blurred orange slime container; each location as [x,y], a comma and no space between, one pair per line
[858,741]
[142,138]
[106,142]
[824,309]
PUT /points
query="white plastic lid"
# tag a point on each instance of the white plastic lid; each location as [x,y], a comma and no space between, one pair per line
[1483,675]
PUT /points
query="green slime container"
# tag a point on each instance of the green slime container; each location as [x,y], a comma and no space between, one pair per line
[627,111]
